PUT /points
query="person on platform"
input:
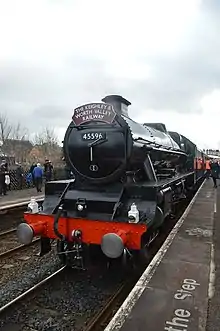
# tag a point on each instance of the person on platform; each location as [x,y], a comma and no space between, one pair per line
[208,168]
[215,172]
[31,172]
[38,176]
[3,173]
[20,175]
[48,169]
[29,179]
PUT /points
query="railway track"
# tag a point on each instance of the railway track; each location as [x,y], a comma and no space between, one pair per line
[117,295]
[11,219]
[3,233]
[96,322]
[100,320]
[17,248]
[29,291]
[60,318]
[8,238]
[11,216]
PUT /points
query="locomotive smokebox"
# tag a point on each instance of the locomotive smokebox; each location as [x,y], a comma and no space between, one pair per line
[113,244]
[118,102]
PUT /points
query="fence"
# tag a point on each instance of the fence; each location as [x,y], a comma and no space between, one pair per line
[15,184]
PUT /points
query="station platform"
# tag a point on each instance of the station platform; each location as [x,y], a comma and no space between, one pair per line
[177,290]
[18,198]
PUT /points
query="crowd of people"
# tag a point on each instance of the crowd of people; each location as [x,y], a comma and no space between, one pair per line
[37,174]
[34,178]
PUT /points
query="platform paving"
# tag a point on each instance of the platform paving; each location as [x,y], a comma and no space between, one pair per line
[16,196]
[175,290]
[213,322]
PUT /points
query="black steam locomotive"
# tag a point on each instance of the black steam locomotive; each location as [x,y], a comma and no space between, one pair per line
[128,177]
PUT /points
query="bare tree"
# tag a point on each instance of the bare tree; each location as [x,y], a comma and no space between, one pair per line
[46,136]
[19,132]
[5,128]
[47,143]
[19,144]
[14,139]
[5,132]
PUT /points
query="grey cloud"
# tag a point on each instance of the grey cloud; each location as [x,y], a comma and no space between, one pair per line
[179,82]
[46,95]
[40,96]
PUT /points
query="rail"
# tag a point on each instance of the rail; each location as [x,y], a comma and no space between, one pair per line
[17,248]
[29,291]
[4,233]
[105,314]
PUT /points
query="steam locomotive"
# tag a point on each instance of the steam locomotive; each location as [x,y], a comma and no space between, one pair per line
[128,178]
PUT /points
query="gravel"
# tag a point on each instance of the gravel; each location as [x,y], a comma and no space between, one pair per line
[8,241]
[67,302]
[11,219]
[22,270]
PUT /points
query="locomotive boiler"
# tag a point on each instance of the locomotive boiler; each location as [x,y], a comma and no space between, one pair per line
[128,177]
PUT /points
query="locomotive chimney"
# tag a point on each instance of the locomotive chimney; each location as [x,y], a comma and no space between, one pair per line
[119,103]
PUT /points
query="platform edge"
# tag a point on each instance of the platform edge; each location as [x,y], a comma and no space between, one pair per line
[22,202]
[120,317]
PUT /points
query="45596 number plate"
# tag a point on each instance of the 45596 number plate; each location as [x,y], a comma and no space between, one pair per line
[93,135]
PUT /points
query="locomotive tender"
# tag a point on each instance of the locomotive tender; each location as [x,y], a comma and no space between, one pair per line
[128,178]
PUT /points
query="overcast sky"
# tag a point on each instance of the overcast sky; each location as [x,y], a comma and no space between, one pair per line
[162,55]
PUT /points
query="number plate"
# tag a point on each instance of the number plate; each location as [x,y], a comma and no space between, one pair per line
[93,135]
